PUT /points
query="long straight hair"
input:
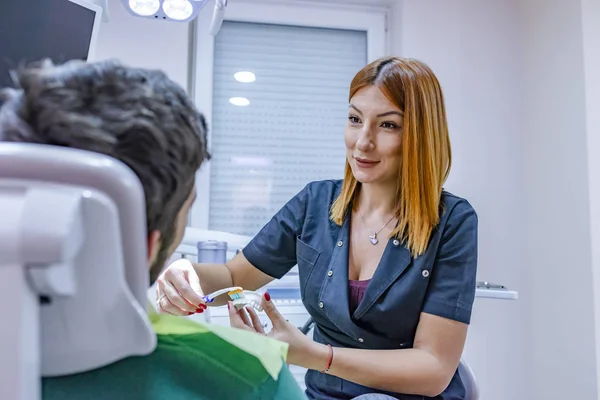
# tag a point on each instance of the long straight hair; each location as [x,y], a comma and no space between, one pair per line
[426,154]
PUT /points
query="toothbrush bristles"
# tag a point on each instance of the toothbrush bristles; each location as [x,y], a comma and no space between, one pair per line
[235,295]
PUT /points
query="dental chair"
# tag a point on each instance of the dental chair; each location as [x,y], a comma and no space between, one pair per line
[62,208]
[466,375]
[468,380]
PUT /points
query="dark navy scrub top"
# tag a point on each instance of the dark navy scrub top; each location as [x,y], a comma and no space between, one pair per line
[440,282]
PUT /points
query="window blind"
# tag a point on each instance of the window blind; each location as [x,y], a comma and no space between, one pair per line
[292,130]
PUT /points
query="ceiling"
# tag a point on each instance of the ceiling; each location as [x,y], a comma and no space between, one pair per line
[386,3]
[358,2]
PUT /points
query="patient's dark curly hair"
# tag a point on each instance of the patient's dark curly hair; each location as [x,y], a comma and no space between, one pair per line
[137,116]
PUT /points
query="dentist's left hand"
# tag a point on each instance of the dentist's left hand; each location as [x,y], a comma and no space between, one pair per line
[178,290]
[302,350]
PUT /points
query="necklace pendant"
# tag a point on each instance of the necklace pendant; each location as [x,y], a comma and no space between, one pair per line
[373,239]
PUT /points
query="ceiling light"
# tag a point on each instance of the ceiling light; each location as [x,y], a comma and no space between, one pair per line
[244,76]
[144,7]
[179,10]
[176,10]
[239,101]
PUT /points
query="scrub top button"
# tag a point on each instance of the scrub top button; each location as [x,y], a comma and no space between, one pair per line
[321,305]
[340,243]
[330,273]
[425,273]
[396,242]
[361,339]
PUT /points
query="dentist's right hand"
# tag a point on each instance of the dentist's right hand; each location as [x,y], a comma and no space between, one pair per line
[178,290]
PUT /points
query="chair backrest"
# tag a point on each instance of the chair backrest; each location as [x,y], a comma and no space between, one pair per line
[468,380]
[73,225]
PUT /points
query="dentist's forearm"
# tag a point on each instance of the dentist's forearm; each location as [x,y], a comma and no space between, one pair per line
[410,371]
[214,277]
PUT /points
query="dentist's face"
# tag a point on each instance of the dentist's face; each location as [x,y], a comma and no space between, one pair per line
[373,137]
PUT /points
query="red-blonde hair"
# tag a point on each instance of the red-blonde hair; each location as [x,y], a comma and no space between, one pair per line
[426,155]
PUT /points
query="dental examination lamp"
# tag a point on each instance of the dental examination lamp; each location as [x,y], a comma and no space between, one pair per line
[176,10]
[73,265]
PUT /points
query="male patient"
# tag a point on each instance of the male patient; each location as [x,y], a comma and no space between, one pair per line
[145,120]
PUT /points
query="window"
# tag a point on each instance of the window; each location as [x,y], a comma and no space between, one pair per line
[278,124]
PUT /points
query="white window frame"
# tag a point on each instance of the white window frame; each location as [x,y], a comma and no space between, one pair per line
[372,19]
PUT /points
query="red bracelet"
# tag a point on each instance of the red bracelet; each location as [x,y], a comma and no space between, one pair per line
[329,359]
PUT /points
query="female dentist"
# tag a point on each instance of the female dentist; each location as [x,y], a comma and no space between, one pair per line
[387,259]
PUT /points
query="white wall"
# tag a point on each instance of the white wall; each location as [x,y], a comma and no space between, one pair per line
[528,157]
[472,47]
[591,48]
[558,218]
[145,43]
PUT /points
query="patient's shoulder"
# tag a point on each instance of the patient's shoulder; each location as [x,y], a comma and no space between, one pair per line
[235,361]
[213,342]
[191,361]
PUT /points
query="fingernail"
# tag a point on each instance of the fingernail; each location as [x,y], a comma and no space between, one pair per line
[228,305]
[267,296]
[204,306]
[191,313]
[200,310]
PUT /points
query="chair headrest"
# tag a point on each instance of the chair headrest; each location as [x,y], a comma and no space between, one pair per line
[75,221]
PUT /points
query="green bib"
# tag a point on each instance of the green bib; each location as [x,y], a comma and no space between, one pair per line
[191,362]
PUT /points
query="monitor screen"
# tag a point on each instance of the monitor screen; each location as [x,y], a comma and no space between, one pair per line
[31,30]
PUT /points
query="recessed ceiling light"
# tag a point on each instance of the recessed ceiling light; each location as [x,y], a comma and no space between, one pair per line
[244,76]
[239,101]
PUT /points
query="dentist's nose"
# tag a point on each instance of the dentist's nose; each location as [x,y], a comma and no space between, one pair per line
[365,140]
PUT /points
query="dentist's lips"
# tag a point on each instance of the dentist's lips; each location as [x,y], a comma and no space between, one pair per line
[364,163]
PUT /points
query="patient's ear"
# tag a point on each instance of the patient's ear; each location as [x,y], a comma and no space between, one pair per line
[153,246]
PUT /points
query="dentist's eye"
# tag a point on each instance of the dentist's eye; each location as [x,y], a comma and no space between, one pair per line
[354,119]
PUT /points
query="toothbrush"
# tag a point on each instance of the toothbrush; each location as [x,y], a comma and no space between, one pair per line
[211,297]
[239,297]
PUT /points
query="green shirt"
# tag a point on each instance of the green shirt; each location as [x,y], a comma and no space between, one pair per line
[191,362]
